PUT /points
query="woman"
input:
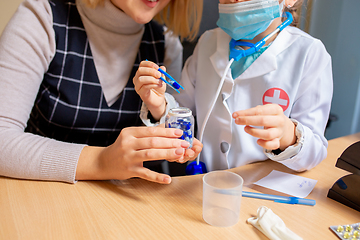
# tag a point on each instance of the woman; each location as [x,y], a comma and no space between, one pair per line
[67,97]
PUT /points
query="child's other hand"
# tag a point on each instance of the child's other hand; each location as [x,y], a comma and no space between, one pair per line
[151,88]
[278,130]
[192,153]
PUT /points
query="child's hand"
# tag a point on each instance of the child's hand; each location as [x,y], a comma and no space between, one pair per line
[192,153]
[278,131]
[151,88]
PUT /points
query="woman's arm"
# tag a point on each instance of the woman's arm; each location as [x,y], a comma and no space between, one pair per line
[27,46]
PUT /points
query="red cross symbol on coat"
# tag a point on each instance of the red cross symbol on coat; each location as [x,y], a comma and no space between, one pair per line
[277,96]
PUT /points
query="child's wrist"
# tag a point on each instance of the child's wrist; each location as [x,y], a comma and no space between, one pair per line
[289,139]
[158,112]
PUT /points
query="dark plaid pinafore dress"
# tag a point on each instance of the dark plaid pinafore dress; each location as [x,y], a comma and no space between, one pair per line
[70,105]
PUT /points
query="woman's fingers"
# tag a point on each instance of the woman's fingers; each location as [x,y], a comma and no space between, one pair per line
[160,143]
[149,82]
[148,64]
[147,78]
[158,154]
[154,143]
[147,73]
[152,176]
[142,132]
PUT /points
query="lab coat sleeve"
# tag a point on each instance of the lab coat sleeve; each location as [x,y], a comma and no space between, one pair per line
[170,103]
[311,109]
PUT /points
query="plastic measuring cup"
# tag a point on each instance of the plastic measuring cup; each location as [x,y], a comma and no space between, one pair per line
[222,192]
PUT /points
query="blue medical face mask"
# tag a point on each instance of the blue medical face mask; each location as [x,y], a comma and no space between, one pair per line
[245,20]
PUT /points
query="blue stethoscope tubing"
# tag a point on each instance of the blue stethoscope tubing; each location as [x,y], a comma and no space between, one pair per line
[235,55]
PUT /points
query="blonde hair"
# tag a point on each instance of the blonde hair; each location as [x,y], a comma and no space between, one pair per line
[295,11]
[182,17]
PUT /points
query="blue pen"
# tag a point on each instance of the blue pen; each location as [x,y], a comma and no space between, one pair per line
[171,81]
[275,198]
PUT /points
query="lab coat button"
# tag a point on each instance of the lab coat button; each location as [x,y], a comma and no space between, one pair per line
[224,146]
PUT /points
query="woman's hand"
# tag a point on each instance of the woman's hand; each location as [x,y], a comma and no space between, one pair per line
[124,158]
[278,130]
[151,88]
[190,153]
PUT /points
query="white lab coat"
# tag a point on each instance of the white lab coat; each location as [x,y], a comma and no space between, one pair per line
[295,63]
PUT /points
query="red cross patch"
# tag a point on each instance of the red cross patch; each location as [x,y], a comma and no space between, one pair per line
[277,96]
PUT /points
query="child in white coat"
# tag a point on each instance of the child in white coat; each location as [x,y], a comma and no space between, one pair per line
[281,92]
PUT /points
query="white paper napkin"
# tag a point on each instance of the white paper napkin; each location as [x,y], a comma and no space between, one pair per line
[271,225]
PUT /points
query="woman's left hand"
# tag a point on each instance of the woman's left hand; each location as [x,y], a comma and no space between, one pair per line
[190,153]
[278,130]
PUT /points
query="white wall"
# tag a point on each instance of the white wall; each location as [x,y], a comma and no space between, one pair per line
[7,9]
[210,15]
[336,23]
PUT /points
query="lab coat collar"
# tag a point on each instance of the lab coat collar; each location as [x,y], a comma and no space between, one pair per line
[220,58]
[267,60]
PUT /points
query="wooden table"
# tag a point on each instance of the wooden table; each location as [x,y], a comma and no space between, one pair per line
[137,209]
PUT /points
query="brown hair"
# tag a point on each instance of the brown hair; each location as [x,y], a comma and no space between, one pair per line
[295,11]
[182,17]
